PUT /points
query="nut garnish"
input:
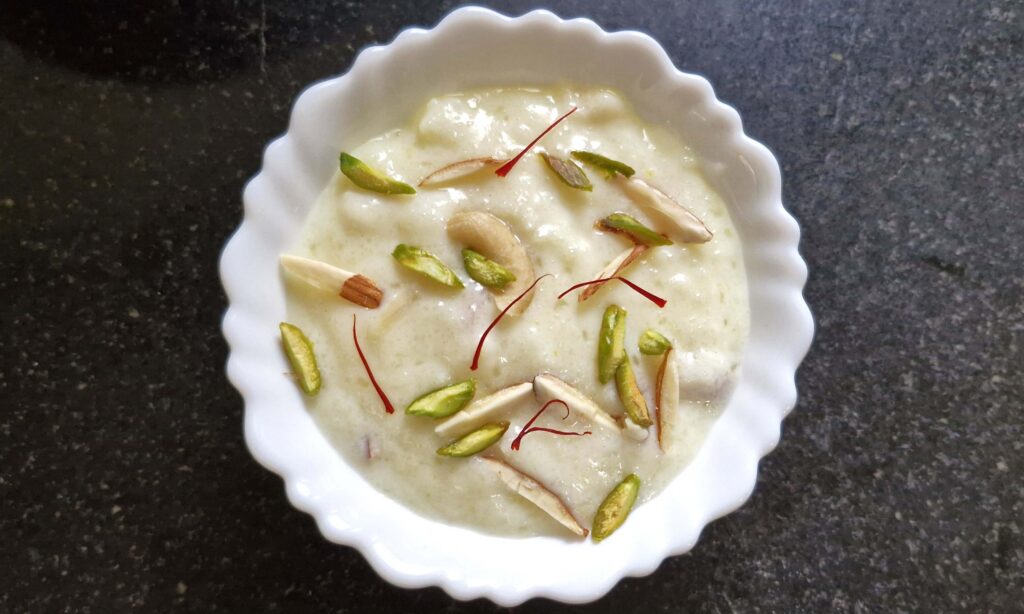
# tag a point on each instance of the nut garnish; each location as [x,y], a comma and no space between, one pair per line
[444,401]
[613,269]
[683,225]
[653,343]
[458,170]
[630,395]
[369,178]
[299,350]
[616,507]
[569,172]
[609,166]
[353,287]
[490,236]
[485,271]
[475,441]
[547,387]
[485,408]
[611,343]
[422,261]
[629,226]
[666,396]
[535,492]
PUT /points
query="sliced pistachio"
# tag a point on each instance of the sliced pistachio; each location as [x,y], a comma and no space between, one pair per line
[609,166]
[458,170]
[630,395]
[488,407]
[486,271]
[535,492]
[369,178]
[350,286]
[615,267]
[611,344]
[631,227]
[491,237]
[615,508]
[443,402]
[681,223]
[653,343]
[569,172]
[475,441]
[666,397]
[422,261]
[546,387]
[299,350]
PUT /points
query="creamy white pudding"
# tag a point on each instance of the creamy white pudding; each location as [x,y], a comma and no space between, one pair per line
[423,334]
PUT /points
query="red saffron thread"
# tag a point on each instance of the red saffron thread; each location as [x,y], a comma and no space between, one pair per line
[506,167]
[529,428]
[480,345]
[657,300]
[388,407]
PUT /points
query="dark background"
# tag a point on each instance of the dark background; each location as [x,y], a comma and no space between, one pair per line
[127,134]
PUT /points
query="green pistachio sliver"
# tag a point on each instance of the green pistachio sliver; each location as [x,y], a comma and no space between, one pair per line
[611,344]
[422,261]
[615,507]
[653,343]
[443,402]
[299,350]
[569,172]
[369,178]
[629,225]
[475,441]
[609,166]
[631,396]
[485,271]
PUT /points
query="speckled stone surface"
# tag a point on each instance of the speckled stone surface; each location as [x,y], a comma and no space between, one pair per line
[126,135]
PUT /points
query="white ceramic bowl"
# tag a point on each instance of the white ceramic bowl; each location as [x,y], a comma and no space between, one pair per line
[476,47]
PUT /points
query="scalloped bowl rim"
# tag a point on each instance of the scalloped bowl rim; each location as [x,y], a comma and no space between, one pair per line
[407,549]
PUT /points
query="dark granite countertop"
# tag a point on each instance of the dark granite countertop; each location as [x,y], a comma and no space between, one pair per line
[127,134]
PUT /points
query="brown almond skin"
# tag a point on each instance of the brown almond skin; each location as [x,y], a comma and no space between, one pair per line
[630,395]
[362,291]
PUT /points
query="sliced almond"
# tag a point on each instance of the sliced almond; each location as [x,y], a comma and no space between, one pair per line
[681,223]
[458,170]
[666,397]
[490,236]
[535,492]
[614,267]
[546,387]
[350,286]
[486,408]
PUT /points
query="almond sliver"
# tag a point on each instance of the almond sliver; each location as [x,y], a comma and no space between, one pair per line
[533,491]
[485,408]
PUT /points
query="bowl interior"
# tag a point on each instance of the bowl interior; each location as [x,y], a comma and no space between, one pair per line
[471,48]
